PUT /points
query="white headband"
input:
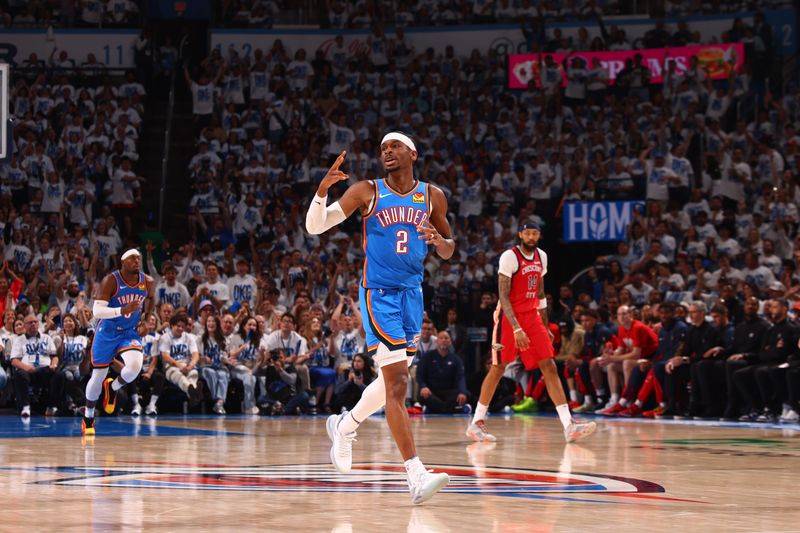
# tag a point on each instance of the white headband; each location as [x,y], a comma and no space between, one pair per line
[132,251]
[397,136]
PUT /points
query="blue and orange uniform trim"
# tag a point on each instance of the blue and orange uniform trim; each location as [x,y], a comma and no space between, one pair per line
[376,329]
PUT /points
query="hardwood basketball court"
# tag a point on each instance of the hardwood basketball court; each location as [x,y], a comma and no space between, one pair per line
[264,474]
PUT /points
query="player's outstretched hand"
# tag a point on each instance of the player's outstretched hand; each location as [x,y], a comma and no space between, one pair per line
[333,176]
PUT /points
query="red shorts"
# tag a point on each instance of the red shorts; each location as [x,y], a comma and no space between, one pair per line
[539,348]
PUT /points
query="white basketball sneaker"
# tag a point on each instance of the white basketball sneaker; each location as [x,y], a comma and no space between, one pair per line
[790,416]
[425,484]
[579,430]
[342,445]
[477,431]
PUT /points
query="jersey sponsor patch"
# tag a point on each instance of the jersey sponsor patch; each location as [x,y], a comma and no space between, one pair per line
[418,198]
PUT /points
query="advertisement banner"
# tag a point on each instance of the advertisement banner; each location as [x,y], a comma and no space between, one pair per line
[114,48]
[718,60]
[598,221]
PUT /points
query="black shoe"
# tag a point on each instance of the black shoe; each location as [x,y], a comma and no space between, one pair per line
[729,414]
[707,413]
[109,397]
[752,416]
[87,426]
[194,395]
[767,416]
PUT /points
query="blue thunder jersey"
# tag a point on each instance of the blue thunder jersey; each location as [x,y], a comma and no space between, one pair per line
[126,294]
[395,255]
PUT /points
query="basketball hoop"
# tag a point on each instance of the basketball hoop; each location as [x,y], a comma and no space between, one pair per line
[180,8]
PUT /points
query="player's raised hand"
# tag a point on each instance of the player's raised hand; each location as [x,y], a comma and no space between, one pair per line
[333,176]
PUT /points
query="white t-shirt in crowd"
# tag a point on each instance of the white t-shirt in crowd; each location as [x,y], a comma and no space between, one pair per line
[202,99]
[36,350]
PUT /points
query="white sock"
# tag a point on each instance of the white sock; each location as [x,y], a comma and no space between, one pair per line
[638,403]
[564,415]
[573,395]
[414,466]
[89,412]
[623,402]
[347,423]
[614,399]
[135,399]
[116,385]
[588,400]
[480,412]
[153,400]
[662,404]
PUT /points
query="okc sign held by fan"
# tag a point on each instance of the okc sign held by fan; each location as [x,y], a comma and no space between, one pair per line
[598,221]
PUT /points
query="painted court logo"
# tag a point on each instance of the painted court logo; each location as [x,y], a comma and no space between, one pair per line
[365,477]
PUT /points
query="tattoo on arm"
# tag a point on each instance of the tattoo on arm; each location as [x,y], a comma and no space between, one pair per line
[504,292]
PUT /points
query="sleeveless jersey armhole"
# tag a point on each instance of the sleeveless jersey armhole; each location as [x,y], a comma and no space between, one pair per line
[374,203]
[429,200]
[115,275]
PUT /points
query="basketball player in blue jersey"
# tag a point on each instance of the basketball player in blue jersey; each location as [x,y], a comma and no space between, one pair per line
[117,308]
[402,217]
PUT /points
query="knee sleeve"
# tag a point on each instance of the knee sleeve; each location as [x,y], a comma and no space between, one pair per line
[372,399]
[95,385]
[133,365]
[384,356]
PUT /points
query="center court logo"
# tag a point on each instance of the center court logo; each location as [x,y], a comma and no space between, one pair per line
[365,477]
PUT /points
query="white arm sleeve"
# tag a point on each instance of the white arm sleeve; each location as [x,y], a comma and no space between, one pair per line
[320,218]
[100,309]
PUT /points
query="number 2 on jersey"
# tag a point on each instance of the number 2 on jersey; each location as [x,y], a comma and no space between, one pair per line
[402,241]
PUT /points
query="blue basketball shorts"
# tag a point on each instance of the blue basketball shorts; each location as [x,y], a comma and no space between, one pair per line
[109,342]
[392,317]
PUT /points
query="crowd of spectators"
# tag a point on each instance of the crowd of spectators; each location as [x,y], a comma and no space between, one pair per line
[250,13]
[363,14]
[86,13]
[254,302]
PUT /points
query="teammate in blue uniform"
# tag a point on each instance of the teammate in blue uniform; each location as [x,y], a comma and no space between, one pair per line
[402,217]
[117,307]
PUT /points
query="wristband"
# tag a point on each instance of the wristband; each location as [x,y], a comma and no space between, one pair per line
[518,329]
